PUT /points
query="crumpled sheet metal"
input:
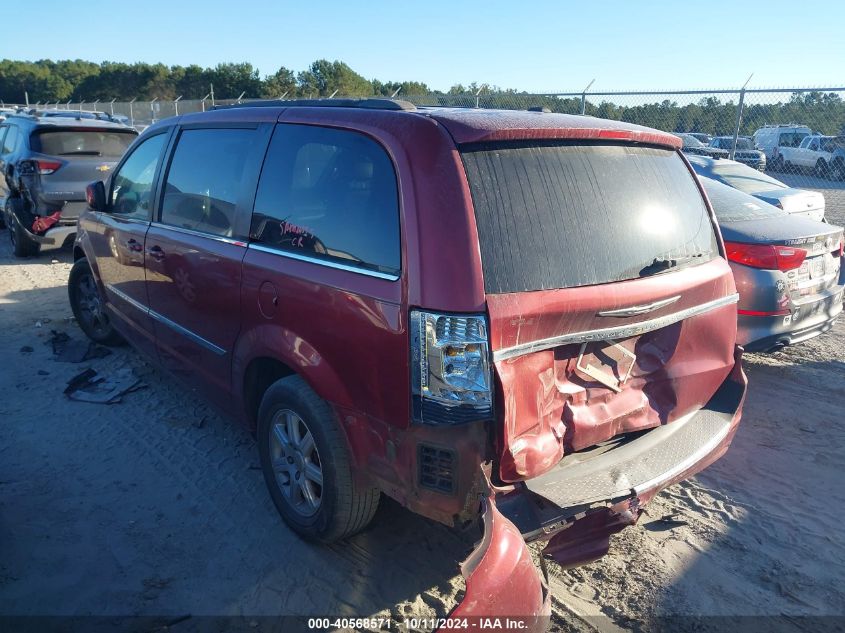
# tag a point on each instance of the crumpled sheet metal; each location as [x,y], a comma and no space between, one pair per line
[501,579]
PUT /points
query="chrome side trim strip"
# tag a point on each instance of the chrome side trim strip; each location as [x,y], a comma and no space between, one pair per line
[208,236]
[616,332]
[135,304]
[196,338]
[324,262]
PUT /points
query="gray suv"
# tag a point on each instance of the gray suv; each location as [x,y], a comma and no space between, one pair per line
[46,164]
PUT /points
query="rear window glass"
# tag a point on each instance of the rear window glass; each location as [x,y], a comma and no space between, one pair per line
[558,215]
[739,176]
[732,205]
[112,143]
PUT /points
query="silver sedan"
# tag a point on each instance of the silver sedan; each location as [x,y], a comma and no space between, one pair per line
[787,268]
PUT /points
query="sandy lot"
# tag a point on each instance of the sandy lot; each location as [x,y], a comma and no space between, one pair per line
[155,506]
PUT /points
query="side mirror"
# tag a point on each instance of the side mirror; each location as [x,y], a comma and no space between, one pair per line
[95,194]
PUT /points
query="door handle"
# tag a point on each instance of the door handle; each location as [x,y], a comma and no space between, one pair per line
[133,245]
[156,253]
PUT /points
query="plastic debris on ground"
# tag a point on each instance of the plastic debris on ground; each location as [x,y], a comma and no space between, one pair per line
[68,350]
[89,386]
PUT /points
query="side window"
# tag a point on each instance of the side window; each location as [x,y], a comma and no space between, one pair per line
[3,130]
[329,194]
[814,144]
[205,180]
[803,145]
[131,191]
[11,140]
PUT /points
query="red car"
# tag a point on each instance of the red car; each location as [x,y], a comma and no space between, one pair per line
[520,316]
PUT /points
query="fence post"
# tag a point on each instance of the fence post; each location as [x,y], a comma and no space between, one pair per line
[176,104]
[131,112]
[584,97]
[739,116]
[152,110]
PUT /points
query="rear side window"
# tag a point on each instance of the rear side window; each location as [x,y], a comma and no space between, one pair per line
[107,143]
[560,215]
[329,194]
[10,141]
[205,180]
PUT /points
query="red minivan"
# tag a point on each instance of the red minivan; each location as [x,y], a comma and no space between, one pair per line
[522,317]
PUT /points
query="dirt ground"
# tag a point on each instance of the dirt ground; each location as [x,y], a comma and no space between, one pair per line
[156,505]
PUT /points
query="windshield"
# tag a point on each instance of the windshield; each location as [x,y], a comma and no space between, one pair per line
[88,142]
[561,214]
[732,205]
[742,143]
[738,176]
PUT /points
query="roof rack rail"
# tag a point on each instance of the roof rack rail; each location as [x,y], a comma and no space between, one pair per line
[371,103]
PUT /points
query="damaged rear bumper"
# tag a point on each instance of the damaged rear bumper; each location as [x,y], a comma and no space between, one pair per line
[586,498]
[579,504]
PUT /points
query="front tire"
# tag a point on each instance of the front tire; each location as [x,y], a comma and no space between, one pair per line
[821,169]
[88,306]
[307,465]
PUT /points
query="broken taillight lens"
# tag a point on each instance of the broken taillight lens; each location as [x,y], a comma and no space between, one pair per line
[765,256]
[450,368]
[46,167]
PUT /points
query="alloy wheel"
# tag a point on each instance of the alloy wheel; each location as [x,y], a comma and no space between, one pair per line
[90,306]
[296,462]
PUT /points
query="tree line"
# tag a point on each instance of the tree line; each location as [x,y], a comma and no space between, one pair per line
[51,81]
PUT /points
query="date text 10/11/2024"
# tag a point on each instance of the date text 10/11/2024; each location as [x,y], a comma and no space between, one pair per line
[422,624]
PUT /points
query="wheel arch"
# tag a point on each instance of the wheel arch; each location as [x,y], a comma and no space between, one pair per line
[269,352]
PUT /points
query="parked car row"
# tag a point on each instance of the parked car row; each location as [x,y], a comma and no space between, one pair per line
[511,316]
[787,147]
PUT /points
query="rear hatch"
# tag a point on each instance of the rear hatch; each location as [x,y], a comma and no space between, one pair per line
[70,158]
[611,310]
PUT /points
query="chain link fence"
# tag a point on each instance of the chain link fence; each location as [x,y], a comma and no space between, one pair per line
[732,116]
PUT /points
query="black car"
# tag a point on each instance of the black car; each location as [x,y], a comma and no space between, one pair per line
[693,146]
[46,164]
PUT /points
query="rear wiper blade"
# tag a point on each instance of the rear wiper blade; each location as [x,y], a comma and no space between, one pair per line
[82,153]
[660,265]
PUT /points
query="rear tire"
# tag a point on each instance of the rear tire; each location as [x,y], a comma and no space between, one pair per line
[22,244]
[837,171]
[777,163]
[300,443]
[88,306]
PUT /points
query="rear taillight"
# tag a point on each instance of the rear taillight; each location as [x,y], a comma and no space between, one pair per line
[766,256]
[841,250]
[46,167]
[451,380]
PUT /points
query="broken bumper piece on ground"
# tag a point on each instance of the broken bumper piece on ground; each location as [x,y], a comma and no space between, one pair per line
[88,386]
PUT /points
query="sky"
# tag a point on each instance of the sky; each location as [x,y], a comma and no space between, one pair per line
[531,45]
